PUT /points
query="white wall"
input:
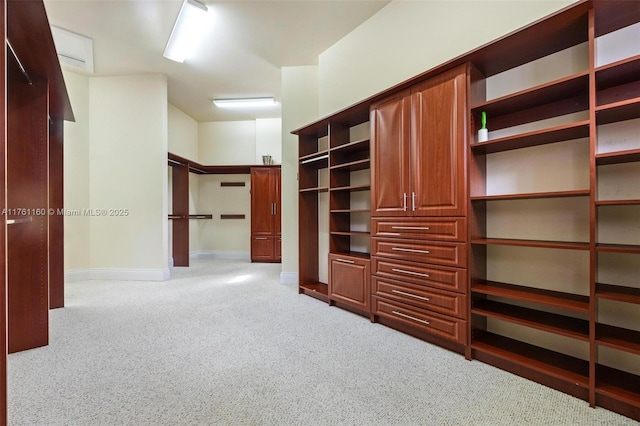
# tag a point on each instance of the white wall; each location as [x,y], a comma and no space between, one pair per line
[299,106]
[269,139]
[227,142]
[406,38]
[76,175]
[128,170]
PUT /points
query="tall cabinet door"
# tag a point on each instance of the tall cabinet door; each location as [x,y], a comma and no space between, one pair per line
[261,202]
[277,217]
[437,145]
[390,121]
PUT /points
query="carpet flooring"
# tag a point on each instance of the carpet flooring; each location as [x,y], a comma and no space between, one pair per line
[223,343]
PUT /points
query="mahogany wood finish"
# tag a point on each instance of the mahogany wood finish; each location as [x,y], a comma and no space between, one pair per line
[265,214]
[349,281]
[56,220]
[408,291]
[180,206]
[3,218]
[27,205]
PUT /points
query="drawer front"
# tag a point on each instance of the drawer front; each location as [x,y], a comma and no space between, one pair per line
[448,328]
[445,229]
[262,248]
[422,297]
[349,280]
[427,275]
[450,254]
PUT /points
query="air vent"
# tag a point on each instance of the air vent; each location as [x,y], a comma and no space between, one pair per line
[74,50]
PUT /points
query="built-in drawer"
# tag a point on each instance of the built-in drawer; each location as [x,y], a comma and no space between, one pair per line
[443,277]
[440,325]
[445,229]
[440,301]
[450,254]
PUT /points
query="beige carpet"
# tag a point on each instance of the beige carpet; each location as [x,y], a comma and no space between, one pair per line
[223,343]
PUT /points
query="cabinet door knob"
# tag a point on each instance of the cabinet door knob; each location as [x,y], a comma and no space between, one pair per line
[400,314]
[260,238]
[413,201]
[404,202]
[415,296]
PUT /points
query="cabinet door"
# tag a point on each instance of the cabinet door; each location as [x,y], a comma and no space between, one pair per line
[390,121]
[349,280]
[262,248]
[261,202]
[437,146]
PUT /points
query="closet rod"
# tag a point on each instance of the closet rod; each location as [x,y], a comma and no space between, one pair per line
[22,70]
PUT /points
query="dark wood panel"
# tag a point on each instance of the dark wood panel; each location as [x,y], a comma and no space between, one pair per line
[390,156]
[618,293]
[349,281]
[232,216]
[56,221]
[30,35]
[180,205]
[3,237]
[438,172]
[232,183]
[27,192]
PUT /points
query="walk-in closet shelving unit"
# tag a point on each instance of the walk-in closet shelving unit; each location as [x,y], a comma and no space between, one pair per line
[334,159]
[546,242]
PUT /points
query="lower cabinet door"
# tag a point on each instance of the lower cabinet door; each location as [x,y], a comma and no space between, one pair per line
[447,327]
[262,249]
[349,281]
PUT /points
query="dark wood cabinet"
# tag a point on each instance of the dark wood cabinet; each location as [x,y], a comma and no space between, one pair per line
[418,149]
[265,214]
[349,278]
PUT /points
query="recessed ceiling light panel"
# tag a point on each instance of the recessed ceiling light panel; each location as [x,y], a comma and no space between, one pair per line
[244,102]
[189,25]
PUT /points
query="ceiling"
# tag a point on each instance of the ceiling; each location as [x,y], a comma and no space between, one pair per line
[241,53]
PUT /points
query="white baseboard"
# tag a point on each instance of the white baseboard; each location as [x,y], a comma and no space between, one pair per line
[117,274]
[289,278]
[220,254]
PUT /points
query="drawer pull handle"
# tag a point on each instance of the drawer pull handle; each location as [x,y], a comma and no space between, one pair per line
[415,296]
[410,250]
[345,261]
[20,220]
[400,314]
[412,228]
[418,274]
[260,238]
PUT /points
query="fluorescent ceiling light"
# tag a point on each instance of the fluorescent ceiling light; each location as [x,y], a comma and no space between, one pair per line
[244,102]
[189,24]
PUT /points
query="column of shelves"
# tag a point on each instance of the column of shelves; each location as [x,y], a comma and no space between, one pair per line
[616,161]
[529,227]
[312,169]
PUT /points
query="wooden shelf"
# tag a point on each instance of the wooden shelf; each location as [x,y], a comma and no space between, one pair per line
[531,243]
[355,146]
[534,195]
[619,385]
[316,189]
[571,302]
[559,324]
[618,338]
[618,293]
[618,157]
[317,290]
[618,111]
[555,134]
[554,364]
[352,188]
[352,166]
[618,73]
[617,202]
[618,248]
[350,211]
[351,233]
[563,88]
